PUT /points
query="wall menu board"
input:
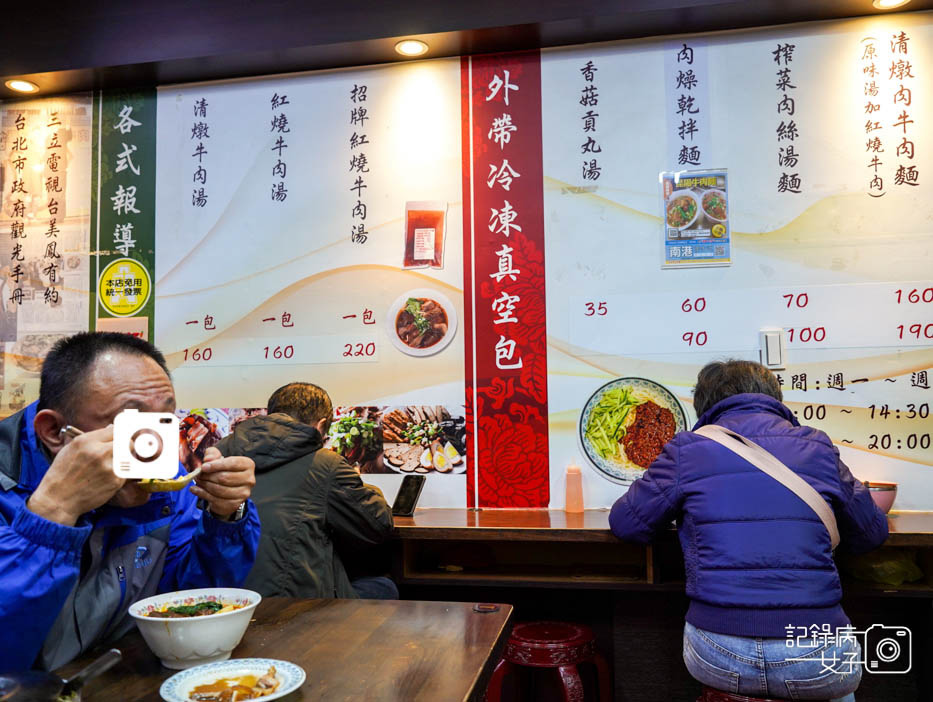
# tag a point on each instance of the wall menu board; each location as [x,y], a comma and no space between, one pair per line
[825,134]
[476,258]
[309,228]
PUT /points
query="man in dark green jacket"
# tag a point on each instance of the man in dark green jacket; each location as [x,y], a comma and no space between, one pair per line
[308,497]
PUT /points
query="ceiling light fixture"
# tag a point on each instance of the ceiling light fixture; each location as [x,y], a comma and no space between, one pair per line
[411,47]
[888,4]
[22,86]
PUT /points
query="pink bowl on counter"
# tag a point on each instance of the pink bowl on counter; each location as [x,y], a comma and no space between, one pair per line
[882,493]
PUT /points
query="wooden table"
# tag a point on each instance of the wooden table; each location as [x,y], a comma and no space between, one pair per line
[350,649]
[550,548]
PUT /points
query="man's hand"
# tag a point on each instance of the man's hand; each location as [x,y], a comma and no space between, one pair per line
[80,479]
[225,483]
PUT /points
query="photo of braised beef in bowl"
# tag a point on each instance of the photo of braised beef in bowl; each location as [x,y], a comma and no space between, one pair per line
[421,322]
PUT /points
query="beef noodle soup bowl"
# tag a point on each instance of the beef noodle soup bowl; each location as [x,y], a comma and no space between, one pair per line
[421,322]
[191,627]
[682,209]
[714,205]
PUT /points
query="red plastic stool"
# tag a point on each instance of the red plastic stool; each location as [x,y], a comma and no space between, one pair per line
[711,695]
[552,645]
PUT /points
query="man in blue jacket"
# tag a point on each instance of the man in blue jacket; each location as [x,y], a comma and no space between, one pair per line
[758,560]
[78,545]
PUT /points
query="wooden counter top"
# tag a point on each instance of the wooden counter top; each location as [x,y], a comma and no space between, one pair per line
[906,528]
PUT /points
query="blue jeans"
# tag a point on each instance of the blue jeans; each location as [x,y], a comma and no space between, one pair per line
[375,587]
[762,667]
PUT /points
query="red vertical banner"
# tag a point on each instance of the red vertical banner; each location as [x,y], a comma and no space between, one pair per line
[504,298]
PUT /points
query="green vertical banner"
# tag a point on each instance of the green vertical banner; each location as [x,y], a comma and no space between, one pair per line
[123,213]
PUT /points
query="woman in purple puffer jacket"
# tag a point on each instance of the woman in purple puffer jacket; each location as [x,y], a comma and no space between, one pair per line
[759,563]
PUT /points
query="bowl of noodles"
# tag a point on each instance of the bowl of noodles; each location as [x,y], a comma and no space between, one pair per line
[625,424]
[714,205]
[192,627]
[682,208]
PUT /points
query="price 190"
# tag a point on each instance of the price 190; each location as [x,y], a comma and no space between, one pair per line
[915,330]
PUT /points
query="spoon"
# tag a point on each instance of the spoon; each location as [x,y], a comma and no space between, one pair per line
[38,686]
[155,485]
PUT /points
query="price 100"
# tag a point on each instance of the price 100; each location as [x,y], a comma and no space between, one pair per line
[806,335]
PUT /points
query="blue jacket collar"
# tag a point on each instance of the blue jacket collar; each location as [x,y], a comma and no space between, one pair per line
[745,402]
[33,462]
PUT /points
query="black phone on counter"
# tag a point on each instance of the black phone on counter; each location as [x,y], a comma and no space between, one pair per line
[407,496]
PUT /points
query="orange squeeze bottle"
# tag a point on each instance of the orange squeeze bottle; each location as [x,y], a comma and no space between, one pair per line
[574,499]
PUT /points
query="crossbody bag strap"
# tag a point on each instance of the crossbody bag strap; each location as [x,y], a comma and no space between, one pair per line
[767,463]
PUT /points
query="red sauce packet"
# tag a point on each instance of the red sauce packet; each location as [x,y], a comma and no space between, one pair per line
[425,229]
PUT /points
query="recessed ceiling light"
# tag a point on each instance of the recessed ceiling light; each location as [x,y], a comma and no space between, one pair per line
[888,4]
[22,86]
[411,47]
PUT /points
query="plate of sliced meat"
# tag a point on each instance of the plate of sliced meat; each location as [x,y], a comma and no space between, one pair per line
[423,439]
[233,680]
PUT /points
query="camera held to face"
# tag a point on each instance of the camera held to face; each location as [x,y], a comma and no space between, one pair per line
[887,649]
[145,445]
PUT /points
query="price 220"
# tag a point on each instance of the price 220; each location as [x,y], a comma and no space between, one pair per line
[357,350]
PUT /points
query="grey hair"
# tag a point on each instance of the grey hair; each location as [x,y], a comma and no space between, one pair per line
[721,379]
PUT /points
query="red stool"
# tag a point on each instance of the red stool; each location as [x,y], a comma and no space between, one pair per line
[552,645]
[711,695]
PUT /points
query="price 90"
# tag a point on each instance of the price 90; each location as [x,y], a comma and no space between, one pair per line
[695,338]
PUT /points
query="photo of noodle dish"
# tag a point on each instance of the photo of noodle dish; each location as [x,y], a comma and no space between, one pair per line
[625,424]
[682,209]
[421,322]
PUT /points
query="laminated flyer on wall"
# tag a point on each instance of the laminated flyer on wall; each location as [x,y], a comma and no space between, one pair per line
[695,215]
